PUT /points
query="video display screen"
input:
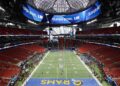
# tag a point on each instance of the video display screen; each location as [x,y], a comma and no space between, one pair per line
[38,16]
[32,13]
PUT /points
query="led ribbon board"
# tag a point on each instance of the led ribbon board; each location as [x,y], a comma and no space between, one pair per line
[32,13]
[83,16]
[38,16]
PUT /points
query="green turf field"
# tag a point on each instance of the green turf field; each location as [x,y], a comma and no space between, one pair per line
[61,64]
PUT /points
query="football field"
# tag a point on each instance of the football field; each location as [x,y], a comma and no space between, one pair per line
[61,68]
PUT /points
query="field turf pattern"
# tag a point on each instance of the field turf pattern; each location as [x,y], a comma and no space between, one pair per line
[61,64]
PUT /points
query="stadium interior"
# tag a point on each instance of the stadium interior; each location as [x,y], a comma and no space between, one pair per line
[59,42]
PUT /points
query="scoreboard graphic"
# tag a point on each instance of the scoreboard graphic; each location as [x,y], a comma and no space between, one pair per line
[61,82]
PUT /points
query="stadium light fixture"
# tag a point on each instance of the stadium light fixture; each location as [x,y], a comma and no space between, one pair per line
[75,25]
[2,9]
[29,21]
[92,21]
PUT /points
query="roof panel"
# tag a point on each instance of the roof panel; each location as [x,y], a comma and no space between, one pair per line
[61,6]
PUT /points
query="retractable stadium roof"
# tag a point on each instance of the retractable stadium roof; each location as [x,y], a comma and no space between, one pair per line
[61,6]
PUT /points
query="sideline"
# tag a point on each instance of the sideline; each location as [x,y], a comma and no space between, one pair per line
[35,69]
[89,70]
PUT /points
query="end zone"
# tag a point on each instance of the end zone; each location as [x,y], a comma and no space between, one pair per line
[62,82]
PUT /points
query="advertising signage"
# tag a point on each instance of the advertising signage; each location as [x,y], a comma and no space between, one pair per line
[32,13]
[39,16]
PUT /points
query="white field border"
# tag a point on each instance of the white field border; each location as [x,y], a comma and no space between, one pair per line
[89,70]
[35,69]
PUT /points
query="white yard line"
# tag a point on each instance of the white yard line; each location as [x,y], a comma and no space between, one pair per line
[66,71]
[65,64]
[35,69]
[57,71]
[89,70]
[58,66]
